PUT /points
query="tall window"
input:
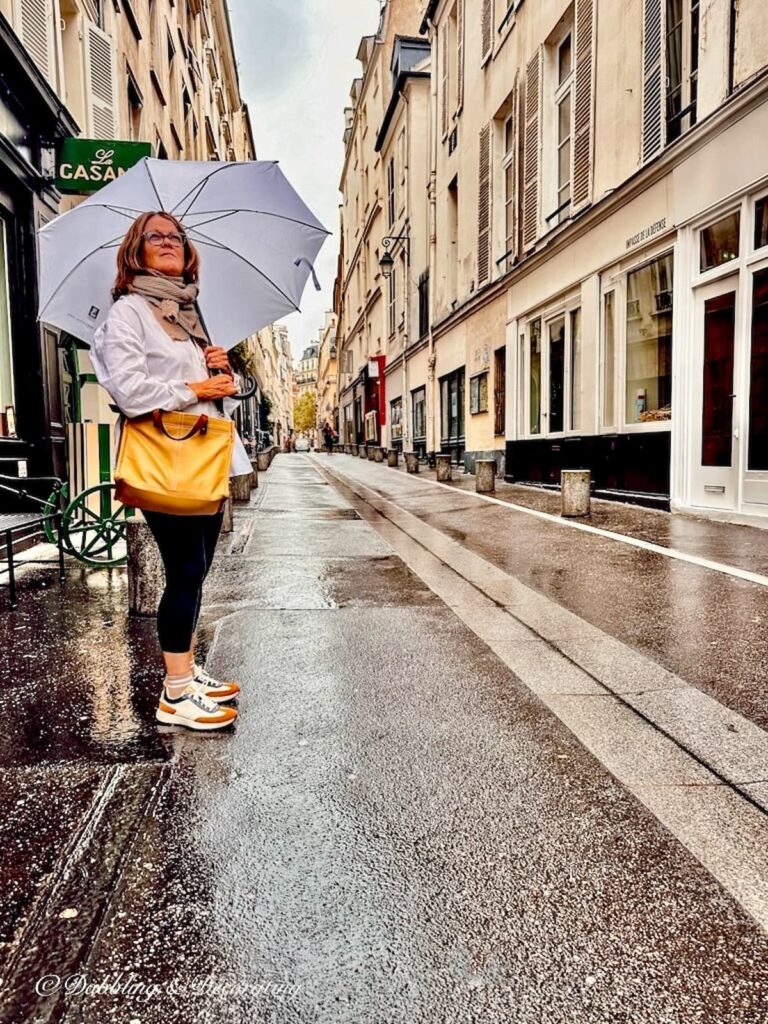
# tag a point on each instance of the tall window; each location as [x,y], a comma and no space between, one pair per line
[534,377]
[609,360]
[393,301]
[557,375]
[423,303]
[648,396]
[682,65]
[391,192]
[6,359]
[576,422]
[509,171]
[453,239]
[563,118]
[419,412]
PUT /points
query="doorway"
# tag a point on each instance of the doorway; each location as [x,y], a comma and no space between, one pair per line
[715,436]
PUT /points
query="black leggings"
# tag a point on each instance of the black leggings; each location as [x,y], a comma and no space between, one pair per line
[186,544]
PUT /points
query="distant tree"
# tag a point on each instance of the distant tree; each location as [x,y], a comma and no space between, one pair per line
[305,412]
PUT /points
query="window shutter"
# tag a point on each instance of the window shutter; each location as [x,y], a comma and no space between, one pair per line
[487,26]
[512,176]
[582,127]
[33,23]
[460,54]
[100,82]
[653,97]
[444,78]
[484,207]
[531,148]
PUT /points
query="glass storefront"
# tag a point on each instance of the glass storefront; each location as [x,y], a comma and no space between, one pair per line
[757,454]
[648,380]
[6,359]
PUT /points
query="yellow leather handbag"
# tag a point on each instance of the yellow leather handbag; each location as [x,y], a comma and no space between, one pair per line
[175,462]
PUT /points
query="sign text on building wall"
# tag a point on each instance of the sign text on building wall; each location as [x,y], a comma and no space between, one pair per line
[649,232]
[86,165]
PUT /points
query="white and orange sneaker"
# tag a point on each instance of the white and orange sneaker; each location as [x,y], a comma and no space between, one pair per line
[193,710]
[214,689]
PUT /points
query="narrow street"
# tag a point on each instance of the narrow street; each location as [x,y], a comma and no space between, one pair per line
[488,767]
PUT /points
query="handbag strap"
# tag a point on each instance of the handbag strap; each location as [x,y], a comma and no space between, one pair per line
[201,425]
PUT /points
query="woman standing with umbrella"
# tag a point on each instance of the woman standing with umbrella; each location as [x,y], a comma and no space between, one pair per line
[151,353]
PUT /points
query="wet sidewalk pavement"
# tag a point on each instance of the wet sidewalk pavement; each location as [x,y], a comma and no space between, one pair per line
[399,829]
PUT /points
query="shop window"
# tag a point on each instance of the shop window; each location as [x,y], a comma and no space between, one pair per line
[478,393]
[720,242]
[6,359]
[452,408]
[757,456]
[576,371]
[761,222]
[500,391]
[648,395]
[419,412]
[396,419]
[534,378]
[556,374]
[609,361]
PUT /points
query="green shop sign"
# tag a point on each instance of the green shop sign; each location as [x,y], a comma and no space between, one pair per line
[86,165]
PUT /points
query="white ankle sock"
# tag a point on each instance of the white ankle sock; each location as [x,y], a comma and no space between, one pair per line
[179,683]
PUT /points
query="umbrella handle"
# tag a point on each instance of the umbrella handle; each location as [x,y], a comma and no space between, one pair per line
[251,387]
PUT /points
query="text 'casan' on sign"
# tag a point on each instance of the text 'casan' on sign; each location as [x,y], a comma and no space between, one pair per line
[86,165]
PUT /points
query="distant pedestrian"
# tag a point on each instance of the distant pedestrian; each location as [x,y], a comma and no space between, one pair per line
[329,437]
[152,353]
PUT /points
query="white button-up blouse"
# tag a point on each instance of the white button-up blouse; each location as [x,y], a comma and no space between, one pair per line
[143,368]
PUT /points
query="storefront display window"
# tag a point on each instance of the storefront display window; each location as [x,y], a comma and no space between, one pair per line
[761,222]
[720,242]
[609,360]
[419,406]
[478,393]
[576,370]
[757,458]
[648,395]
[534,378]
[556,374]
[396,419]
[6,360]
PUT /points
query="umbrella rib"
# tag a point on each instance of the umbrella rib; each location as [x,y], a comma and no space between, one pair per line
[268,213]
[217,245]
[199,188]
[154,187]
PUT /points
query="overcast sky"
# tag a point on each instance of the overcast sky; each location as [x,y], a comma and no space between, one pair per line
[296,61]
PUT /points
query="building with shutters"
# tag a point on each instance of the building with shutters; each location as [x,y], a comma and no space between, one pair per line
[375,315]
[327,376]
[278,379]
[158,71]
[600,275]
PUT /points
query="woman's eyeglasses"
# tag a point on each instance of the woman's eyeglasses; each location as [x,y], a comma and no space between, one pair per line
[158,237]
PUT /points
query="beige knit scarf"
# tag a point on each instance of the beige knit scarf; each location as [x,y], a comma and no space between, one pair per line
[173,300]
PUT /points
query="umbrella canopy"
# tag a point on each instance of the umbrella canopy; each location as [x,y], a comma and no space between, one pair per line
[256,238]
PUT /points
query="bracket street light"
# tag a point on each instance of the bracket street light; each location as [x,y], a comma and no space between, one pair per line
[386,263]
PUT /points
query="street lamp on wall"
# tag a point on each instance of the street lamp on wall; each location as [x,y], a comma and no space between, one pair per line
[386,263]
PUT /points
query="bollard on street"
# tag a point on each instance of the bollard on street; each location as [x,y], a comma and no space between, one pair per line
[485,476]
[393,458]
[443,463]
[411,462]
[575,492]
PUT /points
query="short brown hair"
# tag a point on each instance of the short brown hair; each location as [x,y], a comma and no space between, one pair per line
[130,254]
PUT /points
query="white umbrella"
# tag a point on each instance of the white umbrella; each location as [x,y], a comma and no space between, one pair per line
[256,237]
